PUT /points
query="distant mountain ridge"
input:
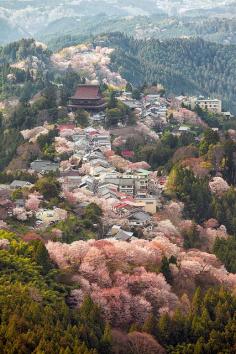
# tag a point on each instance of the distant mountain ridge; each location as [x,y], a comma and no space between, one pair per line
[34,16]
[9,32]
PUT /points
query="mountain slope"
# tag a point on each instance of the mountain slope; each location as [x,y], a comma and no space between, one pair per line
[68,31]
[192,66]
[33,16]
[8,32]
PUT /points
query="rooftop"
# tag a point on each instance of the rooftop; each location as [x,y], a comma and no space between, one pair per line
[84,92]
[20,184]
[123,235]
[44,165]
[140,215]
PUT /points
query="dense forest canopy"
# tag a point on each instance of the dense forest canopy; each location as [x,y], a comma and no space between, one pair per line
[190,66]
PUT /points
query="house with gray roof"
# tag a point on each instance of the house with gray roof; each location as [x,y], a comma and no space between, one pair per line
[123,235]
[139,219]
[44,166]
[20,184]
[127,186]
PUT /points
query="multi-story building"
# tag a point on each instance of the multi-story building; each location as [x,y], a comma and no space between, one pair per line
[211,105]
[127,185]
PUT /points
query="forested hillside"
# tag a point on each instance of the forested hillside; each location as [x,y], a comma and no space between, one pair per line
[182,66]
[34,317]
[23,66]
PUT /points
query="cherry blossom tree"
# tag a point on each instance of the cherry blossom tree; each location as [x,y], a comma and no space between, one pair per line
[4,244]
[33,201]
[62,145]
[21,214]
[124,279]
[218,186]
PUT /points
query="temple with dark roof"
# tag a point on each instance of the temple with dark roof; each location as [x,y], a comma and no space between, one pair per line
[88,97]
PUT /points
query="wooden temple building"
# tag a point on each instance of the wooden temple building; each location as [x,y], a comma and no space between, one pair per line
[88,97]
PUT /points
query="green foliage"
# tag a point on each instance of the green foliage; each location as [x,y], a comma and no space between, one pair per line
[46,144]
[113,117]
[212,119]
[82,118]
[17,194]
[1,119]
[136,94]
[118,112]
[87,226]
[9,177]
[129,87]
[93,212]
[21,83]
[112,100]
[157,154]
[191,237]
[47,139]
[193,191]
[208,327]
[10,139]
[34,317]
[41,256]
[165,269]
[224,210]
[229,171]
[23,117]
[192,66]
[49,187]
[23,49]
[225,250]
[67,80]
[210,137]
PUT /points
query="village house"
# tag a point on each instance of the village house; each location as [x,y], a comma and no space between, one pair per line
[127,185]
[122,209]
[141,182]
[44,166]
[16,184]
[90,183]
[183,129]
[139,219]
[149,204]
[107,193]
[50,216]
[123,235]
[71,182]
[107,185]
[101,140]
[97,118]
[119,234]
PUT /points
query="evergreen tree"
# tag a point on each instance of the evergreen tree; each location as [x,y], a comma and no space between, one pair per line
[165,270]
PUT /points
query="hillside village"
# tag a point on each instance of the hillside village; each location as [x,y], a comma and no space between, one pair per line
[117,200]
[93,165]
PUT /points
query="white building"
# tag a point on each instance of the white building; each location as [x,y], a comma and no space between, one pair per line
[211,105]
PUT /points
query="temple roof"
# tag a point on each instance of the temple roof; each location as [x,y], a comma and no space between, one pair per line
[84,92]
